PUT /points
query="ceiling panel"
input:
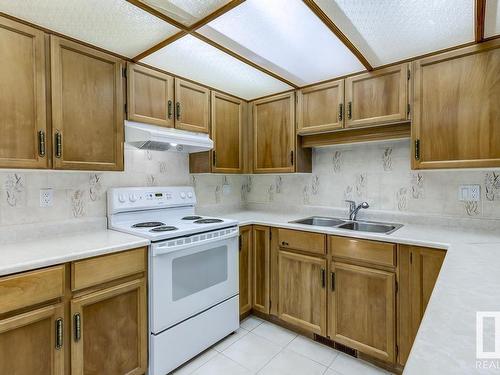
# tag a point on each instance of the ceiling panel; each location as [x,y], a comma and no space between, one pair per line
[114,25]
[286,38]
[386,31]
[192,58]
[492,21]
[186,12]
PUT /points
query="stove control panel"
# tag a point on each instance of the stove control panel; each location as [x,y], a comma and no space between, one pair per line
[133,199]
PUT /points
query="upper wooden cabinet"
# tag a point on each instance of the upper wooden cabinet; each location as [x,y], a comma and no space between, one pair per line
[456,118]
[320,108]
[23,123]
[87,107]
[377,97]
[192,106]
[150,96]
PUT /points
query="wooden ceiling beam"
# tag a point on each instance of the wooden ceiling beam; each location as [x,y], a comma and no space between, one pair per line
[217,13]
[160,45]
[157,13]
[479,16]
[335,30]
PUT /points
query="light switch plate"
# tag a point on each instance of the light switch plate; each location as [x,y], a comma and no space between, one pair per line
[46,197]
[470,193]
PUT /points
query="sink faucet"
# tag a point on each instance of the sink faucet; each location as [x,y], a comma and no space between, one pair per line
[353,209]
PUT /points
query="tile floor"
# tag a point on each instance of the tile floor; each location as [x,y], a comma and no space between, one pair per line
[260,347]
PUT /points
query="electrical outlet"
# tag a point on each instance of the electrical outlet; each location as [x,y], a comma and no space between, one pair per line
[46,197]
[470,193]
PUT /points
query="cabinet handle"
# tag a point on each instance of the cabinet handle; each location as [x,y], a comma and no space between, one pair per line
[59,334]
[169,109]
[214,158]
[239,242]
[349,110]
[41,143]
[178,110]
[417,149]
[291,156]
[333,281]
[58,145]
[341,110]
[78,327]
[323,278]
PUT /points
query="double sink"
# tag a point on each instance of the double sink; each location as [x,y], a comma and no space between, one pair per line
[361,226]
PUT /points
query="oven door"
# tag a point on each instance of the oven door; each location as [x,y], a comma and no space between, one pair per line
[188,279]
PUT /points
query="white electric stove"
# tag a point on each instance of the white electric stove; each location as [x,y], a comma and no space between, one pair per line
[193,270]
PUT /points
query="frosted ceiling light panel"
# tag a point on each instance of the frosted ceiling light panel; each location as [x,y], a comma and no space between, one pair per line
[285,37]
[386,31]
[186,12]
[492,21]
[192,58]
[114,25]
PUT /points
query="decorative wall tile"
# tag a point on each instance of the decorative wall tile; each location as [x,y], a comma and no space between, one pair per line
[417,186]
[270,192]
[218,194]
[305,195]
[78,203]
[387,159]
[492,186]
[337,161]
[361,184]
[315,185]
[402,198]
[163,166]
[95,186]
[15,190]
[278,184]
[471,208]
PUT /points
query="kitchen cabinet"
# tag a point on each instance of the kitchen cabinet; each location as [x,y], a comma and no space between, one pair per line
[456,122]
[377,97]
[192,107]
[261,269]
[150,96]
[245,268]
[419,270]
[23,124]
[87,107]
[320,108]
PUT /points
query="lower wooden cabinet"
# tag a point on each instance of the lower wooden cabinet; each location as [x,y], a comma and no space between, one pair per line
[29,343]
[261,269]
[245,269]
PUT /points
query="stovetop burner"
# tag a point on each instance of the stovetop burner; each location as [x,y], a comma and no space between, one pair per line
[208,221]
[191,217]
[164,228]
[148,224]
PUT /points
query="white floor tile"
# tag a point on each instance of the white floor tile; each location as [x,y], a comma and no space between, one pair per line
[229,340]
[313,350]
[347,365]
[221,365]
[280,336]
[250,323]
[252,351]
[196,362]
[288,362]
[331,372]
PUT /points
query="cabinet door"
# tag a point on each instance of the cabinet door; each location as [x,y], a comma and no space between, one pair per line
[23,125]
[302,291]
[274,134]
[245,269]
[362,309]
[456,121]
[87,107]
[150,96]
[377,97]
[29,342]
[260,263]
[321,108]
[227,131]
[110,331]
[192,107]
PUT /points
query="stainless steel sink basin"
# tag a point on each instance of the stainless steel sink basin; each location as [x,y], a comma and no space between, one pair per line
[320,221]
[363,226]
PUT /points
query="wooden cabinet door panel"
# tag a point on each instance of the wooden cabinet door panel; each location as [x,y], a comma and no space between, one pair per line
[456,115]
[362,310]
[192,107]
[260,263]
[150,96]
[22,96]
[302,291]
[227,131]
[245,269]
[28,343]
[321,108]
[274,134]
[114,331]
[377,97]
[87,107]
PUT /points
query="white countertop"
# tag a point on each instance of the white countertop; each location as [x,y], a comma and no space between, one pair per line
[22,256]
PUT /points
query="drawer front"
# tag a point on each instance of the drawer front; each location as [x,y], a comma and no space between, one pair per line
[379,253]
[31,288]
[305,241]
[94,271]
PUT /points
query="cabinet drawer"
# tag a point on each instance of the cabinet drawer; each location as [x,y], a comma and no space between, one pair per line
[94,271]
[305,241]
[31,288]
[380,253]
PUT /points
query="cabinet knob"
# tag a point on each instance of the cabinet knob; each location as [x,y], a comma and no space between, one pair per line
[178,110]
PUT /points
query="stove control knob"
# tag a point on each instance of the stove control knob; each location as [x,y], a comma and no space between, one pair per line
[122,198]
[183,195]
[132,197]
[190,195]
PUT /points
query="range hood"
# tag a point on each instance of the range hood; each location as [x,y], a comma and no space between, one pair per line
[158,138]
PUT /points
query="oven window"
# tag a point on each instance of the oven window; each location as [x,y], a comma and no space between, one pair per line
[196,272]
